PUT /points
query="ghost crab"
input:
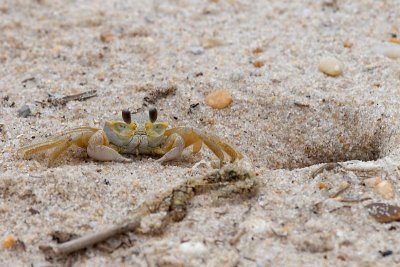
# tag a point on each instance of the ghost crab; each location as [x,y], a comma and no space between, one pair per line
[141,134]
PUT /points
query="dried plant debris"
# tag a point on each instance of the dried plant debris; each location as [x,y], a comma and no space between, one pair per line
[62,237]
[171,205]
[325,167]
[2,132]
[61,101]
[383,212]
[155,93]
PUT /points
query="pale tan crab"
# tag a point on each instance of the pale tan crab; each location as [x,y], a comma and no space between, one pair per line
[141,134]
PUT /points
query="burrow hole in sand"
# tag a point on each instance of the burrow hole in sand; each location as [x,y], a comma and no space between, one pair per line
[301,136]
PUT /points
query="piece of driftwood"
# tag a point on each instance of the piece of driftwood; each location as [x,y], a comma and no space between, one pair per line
[172,203]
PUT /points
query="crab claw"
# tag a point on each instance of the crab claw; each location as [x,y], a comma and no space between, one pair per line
[181,137]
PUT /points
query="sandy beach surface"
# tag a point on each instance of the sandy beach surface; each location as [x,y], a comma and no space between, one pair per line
[287,116]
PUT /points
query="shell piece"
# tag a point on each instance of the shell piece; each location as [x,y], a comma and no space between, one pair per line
[219,99]
[193,248]
[372,182]
[383,212]
[385,189]
[390,50]
[330,66]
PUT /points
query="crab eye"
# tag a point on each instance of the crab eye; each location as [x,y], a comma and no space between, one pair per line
[153,114]
[126,116]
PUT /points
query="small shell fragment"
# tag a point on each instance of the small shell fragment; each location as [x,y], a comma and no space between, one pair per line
[211,42]
[330,66]
[197,50]
[391,50]
[193,248]
[385,189]
[372,182]
[219,99]
[383,212]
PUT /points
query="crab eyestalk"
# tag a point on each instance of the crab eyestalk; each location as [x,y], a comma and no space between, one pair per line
[126,116]
[153,114]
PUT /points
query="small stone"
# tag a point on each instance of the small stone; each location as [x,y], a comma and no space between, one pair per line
[219,99]
[197,50]
[258,63]
[372,182]
[391,50]
[347,44]
[24,111]
[211,42]
[193,248]
[257,50]
[383,212]
[385,189]
[9,242]
[106,37]
[322,186]
[386,253]
[394,40]
[331,66]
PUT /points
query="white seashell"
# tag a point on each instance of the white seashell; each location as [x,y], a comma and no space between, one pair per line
[389,49]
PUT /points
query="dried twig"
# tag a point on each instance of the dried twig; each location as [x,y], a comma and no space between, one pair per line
[52,101]
[172,202]
[343,187]
[351,200]
[325,167]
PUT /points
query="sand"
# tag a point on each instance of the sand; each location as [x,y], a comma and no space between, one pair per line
[286,116]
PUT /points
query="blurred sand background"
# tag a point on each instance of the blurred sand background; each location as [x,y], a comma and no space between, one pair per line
[286,116]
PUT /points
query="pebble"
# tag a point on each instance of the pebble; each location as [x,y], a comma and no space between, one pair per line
[106,37]
[330,66]
[193,248]
[211,42]
[383,212]
[219,99]
[391,50]
[347,44]
[258,63]
[9,242]
[385,189]
[197,50]
[24,111]
[394,40]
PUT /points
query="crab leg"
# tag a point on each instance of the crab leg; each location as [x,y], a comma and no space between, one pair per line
[27,151]
[98,149]
[77,136]
[196,138]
